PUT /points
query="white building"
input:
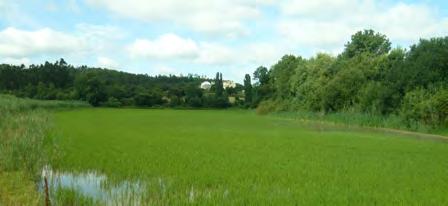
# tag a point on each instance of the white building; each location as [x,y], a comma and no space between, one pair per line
[228,84]
[206,85]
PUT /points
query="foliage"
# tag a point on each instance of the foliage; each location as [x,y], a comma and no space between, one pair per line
[280,74]
[61,81]
[247,90]
[112,102]
[367,41]
[261,75]
[367,77]
[429,107]
[219,89]
[266,107]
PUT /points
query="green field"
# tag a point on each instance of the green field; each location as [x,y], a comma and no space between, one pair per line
[236,157]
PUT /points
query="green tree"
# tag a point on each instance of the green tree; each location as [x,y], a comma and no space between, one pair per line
[367,41]
[426,63]
[261,75]
[219,85]
[281,75]
[247,89]
[309,80]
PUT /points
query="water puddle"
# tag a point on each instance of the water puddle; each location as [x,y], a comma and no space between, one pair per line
[93,185]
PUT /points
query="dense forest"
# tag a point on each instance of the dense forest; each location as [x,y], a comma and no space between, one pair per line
[103,87]
[367,77]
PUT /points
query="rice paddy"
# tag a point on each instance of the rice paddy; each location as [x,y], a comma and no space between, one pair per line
[233,157]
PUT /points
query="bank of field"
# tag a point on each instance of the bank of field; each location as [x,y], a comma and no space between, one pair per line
[239,158]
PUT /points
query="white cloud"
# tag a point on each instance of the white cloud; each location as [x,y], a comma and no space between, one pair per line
[328,24]
[264,53]
[210,53]
[167,46]
[93,31]
[223,17]
[171,47]
[410,22]
[21,43]
[165,70]
[105,62]
[16,61]
[100,38]
[316,34]
[84,41]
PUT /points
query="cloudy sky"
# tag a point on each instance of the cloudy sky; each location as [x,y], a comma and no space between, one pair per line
[202,36]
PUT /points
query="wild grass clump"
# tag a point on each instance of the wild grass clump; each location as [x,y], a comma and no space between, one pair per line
[266,107]
[17,188]
[24,140]
[12,104]
[70,196]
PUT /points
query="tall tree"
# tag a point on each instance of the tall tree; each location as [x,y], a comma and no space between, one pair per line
[247,89]
[367,41]
[427,63]
[261,75]
[219,85]
[281,74]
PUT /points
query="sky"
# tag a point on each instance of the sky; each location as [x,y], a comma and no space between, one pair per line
[202,36]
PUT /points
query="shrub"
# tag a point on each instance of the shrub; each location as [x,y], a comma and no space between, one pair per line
[427,106]
[216,102]
[112,102]
[194,101]
[175,101]
[266,107]
[148,99]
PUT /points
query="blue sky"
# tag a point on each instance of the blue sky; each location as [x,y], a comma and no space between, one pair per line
[202,36]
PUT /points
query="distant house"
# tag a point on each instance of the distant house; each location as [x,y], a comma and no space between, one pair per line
[228,84]
[206,85]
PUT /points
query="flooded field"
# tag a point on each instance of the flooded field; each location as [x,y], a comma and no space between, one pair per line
[178,157]
[94,186]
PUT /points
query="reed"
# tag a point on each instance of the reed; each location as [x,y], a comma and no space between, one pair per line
[25,144]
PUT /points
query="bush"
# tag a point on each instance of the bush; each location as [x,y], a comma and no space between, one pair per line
[194,101]
[440,100]
[175,101]
[266,107]
[128,101]
[112,102]
[216,102]
[148,99]
[429,106]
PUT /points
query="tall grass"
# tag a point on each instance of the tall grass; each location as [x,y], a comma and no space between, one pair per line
[24,137]
[11,104]
[348,117]
[357,119]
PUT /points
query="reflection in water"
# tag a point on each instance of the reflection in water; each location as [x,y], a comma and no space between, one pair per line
[94,185]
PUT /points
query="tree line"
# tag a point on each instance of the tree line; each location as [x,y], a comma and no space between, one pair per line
[367,77]
[103,87]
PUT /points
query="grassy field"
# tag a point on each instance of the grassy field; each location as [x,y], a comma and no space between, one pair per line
[237,157]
